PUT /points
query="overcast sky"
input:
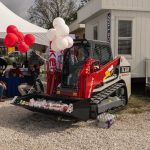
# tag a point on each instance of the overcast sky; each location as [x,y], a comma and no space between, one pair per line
[20,7]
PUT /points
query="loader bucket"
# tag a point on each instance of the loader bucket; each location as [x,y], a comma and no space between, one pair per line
[54,105]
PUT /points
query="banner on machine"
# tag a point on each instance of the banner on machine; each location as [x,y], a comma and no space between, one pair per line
[55,60]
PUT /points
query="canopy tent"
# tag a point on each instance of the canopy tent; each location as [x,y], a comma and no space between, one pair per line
[7,17]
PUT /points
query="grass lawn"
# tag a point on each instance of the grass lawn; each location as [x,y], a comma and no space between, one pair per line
[137,104]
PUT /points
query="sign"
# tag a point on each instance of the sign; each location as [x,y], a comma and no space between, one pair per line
[125,69]
[52,60]
[109,27]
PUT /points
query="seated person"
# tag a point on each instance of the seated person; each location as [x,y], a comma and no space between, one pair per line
[33,75]
[72,59]
[2,88]
[15,71]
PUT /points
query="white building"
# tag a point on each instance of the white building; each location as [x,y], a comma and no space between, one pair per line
[123,23]
[77,29]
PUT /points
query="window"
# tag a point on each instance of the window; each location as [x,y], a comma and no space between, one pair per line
[102,53]
[125,37]
[95,32]
[106,55]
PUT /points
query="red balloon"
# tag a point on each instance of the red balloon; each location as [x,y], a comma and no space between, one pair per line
[23,47]
[12,29]
[20,36]
[10,40]
[29,39]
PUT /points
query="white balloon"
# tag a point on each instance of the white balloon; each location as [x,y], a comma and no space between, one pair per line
[51,34]
[70,41]
[58,21]
[62,30]
[54,46]
[62,43]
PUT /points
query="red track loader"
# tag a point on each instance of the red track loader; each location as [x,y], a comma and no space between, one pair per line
[90,83]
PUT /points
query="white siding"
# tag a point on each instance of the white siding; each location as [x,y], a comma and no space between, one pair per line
[143,5]
[75,26]
[93,7]
[141,38]
[101,22]
[89,9]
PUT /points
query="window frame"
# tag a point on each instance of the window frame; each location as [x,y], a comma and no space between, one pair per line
[100,52]
[133,45]
[126,38]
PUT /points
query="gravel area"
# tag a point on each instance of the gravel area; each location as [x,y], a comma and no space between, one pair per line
[24,130]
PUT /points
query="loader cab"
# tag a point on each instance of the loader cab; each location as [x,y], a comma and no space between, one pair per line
[102,52]
[76,56]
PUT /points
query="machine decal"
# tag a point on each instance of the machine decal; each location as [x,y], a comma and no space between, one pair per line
[125,69]
[124,74]
[48,105]
[109,72]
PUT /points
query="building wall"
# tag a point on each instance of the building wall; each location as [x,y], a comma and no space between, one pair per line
[95,6]
[140,36]
[92,7]
[140,41]
[101,22]
[126,4]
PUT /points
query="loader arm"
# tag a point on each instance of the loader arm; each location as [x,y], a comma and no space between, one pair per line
[91,80]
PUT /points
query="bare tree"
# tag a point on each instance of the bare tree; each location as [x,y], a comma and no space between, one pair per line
[43,12]
[83,2]
[80,3]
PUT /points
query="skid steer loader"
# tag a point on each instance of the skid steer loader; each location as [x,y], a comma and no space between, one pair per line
[90,83]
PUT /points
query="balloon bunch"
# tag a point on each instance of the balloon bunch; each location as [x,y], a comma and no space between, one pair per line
[16,38]
[59,35]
